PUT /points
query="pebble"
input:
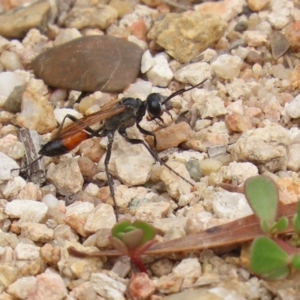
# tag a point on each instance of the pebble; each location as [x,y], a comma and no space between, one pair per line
[238,172]
[7,165]
[72,267]
[292,109]
[266,147]
[131,164]
[49,285]
[190,270]
[175,185]
[227,66]
[172,136]
[27,210]
[21,287]
[37,112]
[15,23]
[279,44]
[291,33]
[194,73]
[10,145]
[36,232]
[226,9]
[66,176]
[112,64]
[160,73]
[11,61]
[258,5]
[101,217]
[92,15]
[198,32]
[108,287]
[140,287]
[169,284]
[230,206]
[238,123]
[50,200]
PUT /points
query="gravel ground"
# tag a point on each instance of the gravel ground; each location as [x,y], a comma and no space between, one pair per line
[242,121]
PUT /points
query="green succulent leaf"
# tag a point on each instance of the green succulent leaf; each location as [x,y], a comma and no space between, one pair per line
[296,261]
[296,219]
[262,195]
[282,224]
[148,230]
[268,260]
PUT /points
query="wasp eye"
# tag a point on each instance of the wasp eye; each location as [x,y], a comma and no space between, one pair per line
[154,107]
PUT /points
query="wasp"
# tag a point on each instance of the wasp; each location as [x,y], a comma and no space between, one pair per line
[114,116]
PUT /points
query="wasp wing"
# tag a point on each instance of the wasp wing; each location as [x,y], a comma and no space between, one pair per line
[108,110]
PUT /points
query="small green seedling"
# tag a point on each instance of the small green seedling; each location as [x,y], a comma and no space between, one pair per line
[270,257]
[133,239]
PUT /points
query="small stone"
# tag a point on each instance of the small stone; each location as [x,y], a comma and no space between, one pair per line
[131,164]
[49,285]
[78,267]
[175,185]
[15,23]
[292,35]
[27,252]
[210,165]
[66,35]
[36,232]
[150,211]
[112,64]
[230,206]
[37,112]
[8,240]
[7,165]
[194,169]
[87,14]
[254,38]
[66,177]
[197,33]
[77,224]
[50,254]
[101,217]
[79,208]
[293,157]
[160,73]
[241,26]
[108,287]
[237,122]
[258,5]
[10,145]
[140,287]
[27,210]
[190,270]
[147,61]
[87,167]
[214,107]
[63,232]
[227,66]
[162,267]
[265,147]
[172,136]
[293,108]
[194,73]
[11,61]
[21,287]
[238,172]
[279,44]
[169,284]
[295,77]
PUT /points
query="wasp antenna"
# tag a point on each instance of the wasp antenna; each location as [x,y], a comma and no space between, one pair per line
[28,165]
[179,92]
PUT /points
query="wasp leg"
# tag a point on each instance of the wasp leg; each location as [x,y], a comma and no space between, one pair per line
[123,133]
[110,136]
[146,132]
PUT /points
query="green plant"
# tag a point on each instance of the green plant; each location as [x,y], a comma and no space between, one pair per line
[271,257]
[133,239]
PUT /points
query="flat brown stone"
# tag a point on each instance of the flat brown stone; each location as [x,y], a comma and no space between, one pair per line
[90,63]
